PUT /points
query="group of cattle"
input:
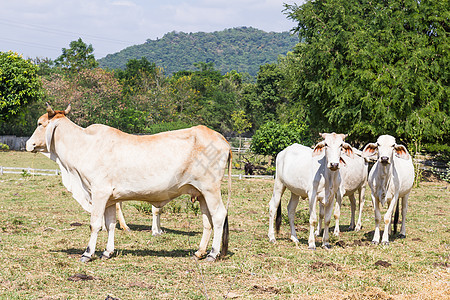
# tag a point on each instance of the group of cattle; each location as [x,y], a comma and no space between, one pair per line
[102,167]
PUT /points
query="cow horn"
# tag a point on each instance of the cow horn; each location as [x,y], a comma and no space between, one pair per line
[67,111]
[50,110]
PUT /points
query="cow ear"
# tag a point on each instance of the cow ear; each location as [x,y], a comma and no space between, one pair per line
[401,152]
[348,150]
[318,149]
[49,131]
[369,150]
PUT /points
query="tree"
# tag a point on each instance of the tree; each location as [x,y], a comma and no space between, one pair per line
[19,85]
[240,124]
[273,137]
[374,67]
[78,56]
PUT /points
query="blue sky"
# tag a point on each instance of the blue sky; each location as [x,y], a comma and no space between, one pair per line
[42,28]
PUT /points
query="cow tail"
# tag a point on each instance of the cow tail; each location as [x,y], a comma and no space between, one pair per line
[225,238]
[396,216]
[226,233]
[278,219]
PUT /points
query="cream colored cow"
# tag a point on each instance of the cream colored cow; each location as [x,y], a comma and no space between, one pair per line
[102,166]
[391,178]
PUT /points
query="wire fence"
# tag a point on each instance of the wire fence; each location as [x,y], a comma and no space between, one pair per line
[29,171]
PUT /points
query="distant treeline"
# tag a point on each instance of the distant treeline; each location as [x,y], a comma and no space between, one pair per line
[242,49]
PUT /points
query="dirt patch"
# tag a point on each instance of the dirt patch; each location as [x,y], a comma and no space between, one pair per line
[383,263]
[341,244]
[262,289]
[441,264]
[82,277]
[320,265]
[417,240]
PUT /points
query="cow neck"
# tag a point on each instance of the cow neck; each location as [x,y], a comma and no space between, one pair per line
[69,137]
[386,175]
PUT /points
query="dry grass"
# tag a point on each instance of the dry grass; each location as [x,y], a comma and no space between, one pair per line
[40,245]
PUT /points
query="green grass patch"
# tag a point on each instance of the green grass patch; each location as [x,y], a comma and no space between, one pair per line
[43,232]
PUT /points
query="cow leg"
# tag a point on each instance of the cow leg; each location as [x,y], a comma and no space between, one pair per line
[110,218]
[376,209]
[278,190]
[121,218]
[328,211]
[387,220]
[97,214]
[362,191]
[321,215]
[291,214]
[156,221]
[218,214]
[312,219]
[207,228]
[353,211]
[337,214]
[402,234]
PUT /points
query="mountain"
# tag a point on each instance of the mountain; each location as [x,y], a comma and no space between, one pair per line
[242,49]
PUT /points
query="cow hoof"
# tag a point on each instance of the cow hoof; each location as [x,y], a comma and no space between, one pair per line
[357,228]
[85,259]
[210,258]
[385,243]
[401,236]
[311,248]
[273,241]
[199,255]
[106,256]
[374,243]
[326,246]
[336,233]
[157,233]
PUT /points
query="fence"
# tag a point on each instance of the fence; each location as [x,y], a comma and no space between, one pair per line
[28,171]
[14,142]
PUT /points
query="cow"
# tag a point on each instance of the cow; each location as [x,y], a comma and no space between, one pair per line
[391,178]
[102,166]
[308,173]
[354,173]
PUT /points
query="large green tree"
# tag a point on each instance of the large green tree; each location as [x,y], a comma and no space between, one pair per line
[374,67]
[19,86]
[78,56]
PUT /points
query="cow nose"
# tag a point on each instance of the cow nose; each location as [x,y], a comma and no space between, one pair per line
[334,166]
[384,159]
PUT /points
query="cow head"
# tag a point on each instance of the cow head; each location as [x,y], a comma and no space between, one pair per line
[333,146]
[385,148]
[42,136]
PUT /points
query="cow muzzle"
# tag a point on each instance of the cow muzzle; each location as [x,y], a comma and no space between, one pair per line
[384,160]
[333,166]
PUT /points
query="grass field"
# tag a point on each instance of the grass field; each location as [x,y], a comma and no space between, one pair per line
[43,232]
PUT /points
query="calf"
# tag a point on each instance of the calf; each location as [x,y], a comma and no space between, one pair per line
[391,178]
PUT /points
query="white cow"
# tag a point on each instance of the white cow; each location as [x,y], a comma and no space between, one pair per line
[309,174]
[391,178]
[354,172]
[102,166]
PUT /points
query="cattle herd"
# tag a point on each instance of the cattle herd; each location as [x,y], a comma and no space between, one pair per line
[102,167]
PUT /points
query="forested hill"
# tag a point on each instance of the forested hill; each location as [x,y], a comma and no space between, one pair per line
[242,49]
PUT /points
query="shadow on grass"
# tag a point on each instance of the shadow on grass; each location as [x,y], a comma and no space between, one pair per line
[146,228]
[73,252]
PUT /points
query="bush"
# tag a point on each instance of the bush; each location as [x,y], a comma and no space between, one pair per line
[272,137]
